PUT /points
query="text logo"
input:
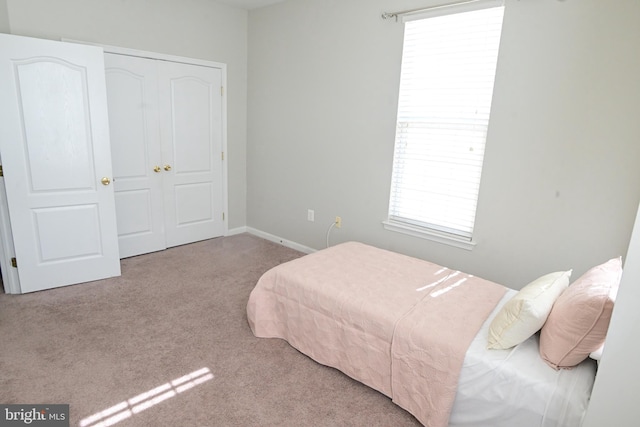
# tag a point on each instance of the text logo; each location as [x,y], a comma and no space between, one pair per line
[39,415]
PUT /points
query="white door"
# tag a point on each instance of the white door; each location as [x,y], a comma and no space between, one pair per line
[191,135]
[54,140]
[166,121]
[132,92]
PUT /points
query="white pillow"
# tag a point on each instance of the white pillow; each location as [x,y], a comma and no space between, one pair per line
[597,355]
[525,313]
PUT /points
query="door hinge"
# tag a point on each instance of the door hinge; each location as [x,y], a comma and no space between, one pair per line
[14,263]
[221,90]
[1,171]
[222,156]
[223,216]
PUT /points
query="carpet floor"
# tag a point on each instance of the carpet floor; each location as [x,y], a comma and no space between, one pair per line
[168,344]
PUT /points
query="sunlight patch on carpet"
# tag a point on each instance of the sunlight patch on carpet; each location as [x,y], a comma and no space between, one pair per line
[146,400]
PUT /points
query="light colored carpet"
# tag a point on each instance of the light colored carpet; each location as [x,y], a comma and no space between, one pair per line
[168,344]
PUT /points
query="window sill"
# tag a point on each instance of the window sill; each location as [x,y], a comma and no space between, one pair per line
[432,235]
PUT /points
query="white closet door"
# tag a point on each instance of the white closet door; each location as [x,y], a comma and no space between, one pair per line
[132,91]
[191,136]
[54,139]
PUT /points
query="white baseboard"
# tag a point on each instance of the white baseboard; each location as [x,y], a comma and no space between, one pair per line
[279,240]
[238,230]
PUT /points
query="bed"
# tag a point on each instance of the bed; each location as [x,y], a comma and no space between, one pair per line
[416,332]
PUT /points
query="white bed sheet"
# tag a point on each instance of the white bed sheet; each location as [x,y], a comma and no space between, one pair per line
[515,387]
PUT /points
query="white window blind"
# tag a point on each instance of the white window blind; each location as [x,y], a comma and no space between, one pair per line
[448,71]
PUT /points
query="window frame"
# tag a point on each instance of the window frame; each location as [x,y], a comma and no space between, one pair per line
[442,234]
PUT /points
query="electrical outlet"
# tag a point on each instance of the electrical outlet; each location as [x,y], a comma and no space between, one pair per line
[338,222]
[311,215]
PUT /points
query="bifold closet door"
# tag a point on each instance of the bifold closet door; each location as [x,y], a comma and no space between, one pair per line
[132,91]
[190,106]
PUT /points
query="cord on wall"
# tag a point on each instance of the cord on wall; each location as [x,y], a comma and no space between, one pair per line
[338,223]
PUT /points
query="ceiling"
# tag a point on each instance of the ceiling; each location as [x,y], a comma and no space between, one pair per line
[249,4]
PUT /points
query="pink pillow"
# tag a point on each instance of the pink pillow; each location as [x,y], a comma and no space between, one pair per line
[579,319]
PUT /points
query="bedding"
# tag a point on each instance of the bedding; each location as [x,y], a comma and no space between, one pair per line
[400,325]
[516,387]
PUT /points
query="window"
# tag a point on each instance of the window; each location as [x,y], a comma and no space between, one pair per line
[448,70]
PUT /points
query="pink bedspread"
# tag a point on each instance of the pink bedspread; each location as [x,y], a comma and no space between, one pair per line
[397,324]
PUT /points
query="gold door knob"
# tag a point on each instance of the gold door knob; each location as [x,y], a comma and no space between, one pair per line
[167,167]
[156,169]
[105,181]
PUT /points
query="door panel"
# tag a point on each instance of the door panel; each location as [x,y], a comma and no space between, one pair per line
[194,203]
[84,242]
[135,213]
[191,137]
[58,143]
[54,140]
[135,145]
[192,123]
[126,99]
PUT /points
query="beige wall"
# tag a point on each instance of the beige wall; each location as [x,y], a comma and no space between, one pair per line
[199,29]
[4,17]
[560,184]
[614,401]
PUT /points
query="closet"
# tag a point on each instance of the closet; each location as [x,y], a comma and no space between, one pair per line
[105,153]
[166,126]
